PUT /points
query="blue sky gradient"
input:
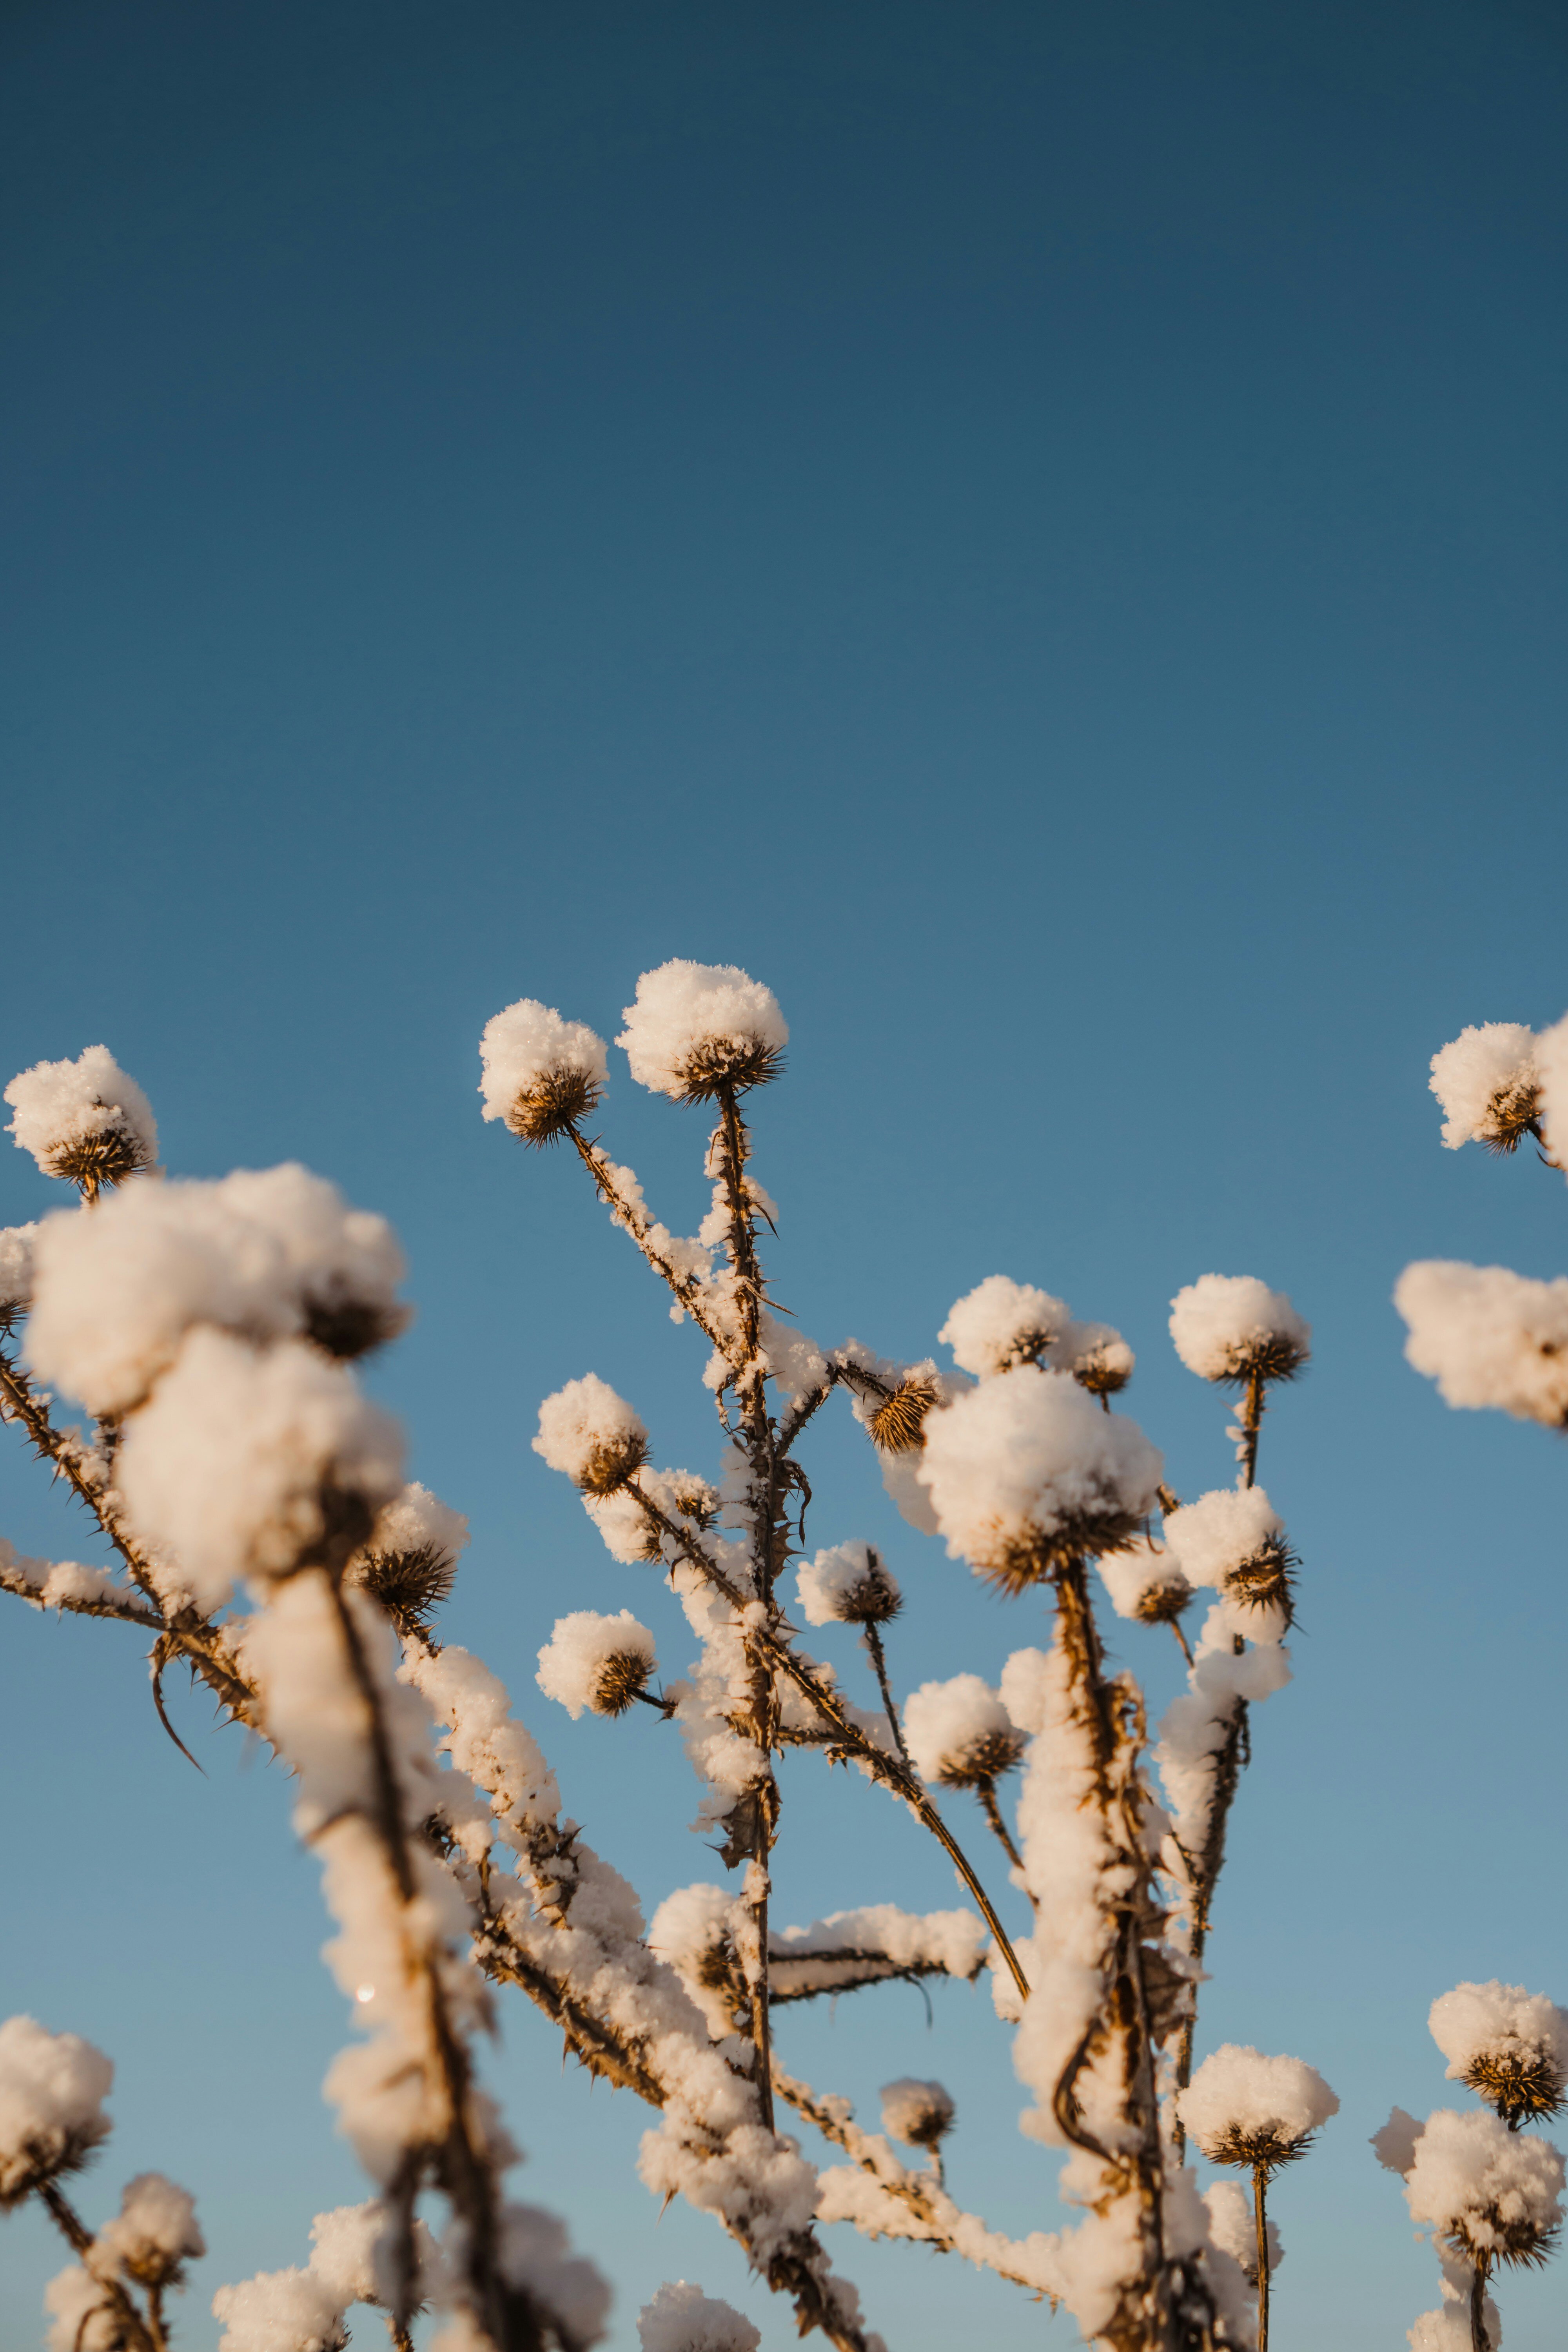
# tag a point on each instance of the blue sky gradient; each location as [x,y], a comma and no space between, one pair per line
[1038,529]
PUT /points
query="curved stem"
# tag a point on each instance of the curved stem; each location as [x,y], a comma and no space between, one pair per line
[986,1792]
[879,1662]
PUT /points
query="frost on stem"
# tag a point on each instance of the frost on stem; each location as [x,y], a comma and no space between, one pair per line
[52,2089]
[1488,1337]
[592,1434]
[85,1121]
[540,1073]
[1508,2045]
[696,1029]
[681,2318]
[602,1664]
[1486,1083]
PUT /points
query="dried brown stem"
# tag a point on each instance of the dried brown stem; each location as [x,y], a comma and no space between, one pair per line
[1260,2216]
[986,1792]
[1252,1408]
[137,2336]
[687,1290]
[873,1636]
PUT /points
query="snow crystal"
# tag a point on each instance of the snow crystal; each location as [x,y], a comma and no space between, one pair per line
[920,2113]
[848,1584]
[1488,1337]
[1002,1323]
[1495,2190]
[152,2236]
[1393,2143]
[1235,2228]
[1239,2101]
[1026,1467]
[84,1118]
[1485,1081]
[694,1025]
[280,2311]
[1226,1324]
[592,1434]
[540,1071]
[959,1733]
[681,2318]
[16,1274]
[597,1663]
[52,2089]
[1551,1066]
[229,1462]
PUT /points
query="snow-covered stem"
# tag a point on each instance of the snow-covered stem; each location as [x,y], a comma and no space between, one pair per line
[986,1792]
[140,2332]
[634,1219]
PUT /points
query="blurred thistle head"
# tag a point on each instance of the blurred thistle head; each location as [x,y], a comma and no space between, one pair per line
[1146,1584]
[898,1424]
[153,2236]
[1231,1328]
[698,1030]
[960,1735]
[84,1121]
[1488,1085]
[848,1585]
[919,2114]
[16,1275]
[52,2089]
[541,1075]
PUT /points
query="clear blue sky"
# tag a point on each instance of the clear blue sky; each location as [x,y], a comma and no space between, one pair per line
[1038,529]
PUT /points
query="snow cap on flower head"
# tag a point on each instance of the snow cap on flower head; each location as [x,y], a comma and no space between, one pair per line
[592,1434]
[1489,2192]
[959,1733]
[1486,1083]
[1552,1069]
[1146,1584]
[411,1559]
[1231,1328]
[52,2089]
[1233,1541]
[1027,1471]
[920,2113]
[152,2237]
[1510,2046]
[540,1072]
[1488,1337]
[602,1664]
[1001,1324]
[681,2318]
[281,2311]
[696,1029]
[85,1121]
[849,1585]
[1244,2108]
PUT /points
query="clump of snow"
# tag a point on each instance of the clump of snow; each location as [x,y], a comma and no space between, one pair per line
[152,2237]
[57,1583]
[1393,2143]
[1002,1323]
[1552,1068]
[1486,2189]
[1226,1326]
[274,1253]
[230,1465]
[1145,1583]
[534,2254]
[1509,2045]
[848,1584]
[1235,2228]
[1488,1337]
[52,2089]
[416,1521]
[82,2314]
[846,1946]
[681,2318]
[280,2311]
[1486,1082]
[83,1121]
[598,1663]
[16,1274]
[959,1733]
[539,1071]
[919,2114]
[592,1434]
[1244,2108]
[694,1026]
[1024,1687]
[1026,1469]
[1232,1540]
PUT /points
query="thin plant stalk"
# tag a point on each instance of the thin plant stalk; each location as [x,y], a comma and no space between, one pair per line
[1260,2215]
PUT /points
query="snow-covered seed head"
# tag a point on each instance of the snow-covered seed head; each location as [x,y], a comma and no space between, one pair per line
[540,1073]
[919,2114]
[1231,1328]
[152,2237]
[281,2311]
[1488,1337]
[411,1561]
[52,2089]
[85,1121]
[1026,1473]
[16,1275]
[1233,1541]
[959,1733]
[602,1664]
[898,1425]
[1486,1083]
[848,1585]
[592,1434]
[681,2318]
[1146,1585]
[1002,1323]
[1493,2194]
[1099,1358]
[1244,2108]
[1510,2046]
[700,1030]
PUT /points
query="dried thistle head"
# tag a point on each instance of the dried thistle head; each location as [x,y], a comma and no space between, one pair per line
[981,1763]
[345,1326]
[898,1425]
[919,2114]
[553,1103]
[410,1585]
[1262,2152]
[621,1681]
[610,1462]
[1277,1356]
[876,1599]
[1016,1561]
[1519,2083]
[1164,1605]
[1266,1578]
[1104,1371]
[719,1066]
[1513,1113]
[1522,2240]
[114,1151]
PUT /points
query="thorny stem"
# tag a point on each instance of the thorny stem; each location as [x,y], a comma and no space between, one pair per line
[78,2237]
[1260,2212]
[1481,2340]
[1254,1406]
[986,1792]
[686,1288]
[1206,1867]
[879,1662]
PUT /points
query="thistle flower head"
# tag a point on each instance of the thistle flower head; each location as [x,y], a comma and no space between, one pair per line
[152,2237]
[16,1275]
[85,1121]
[897,1423]
[1231,1328]
[698,1029]
[848,1585]
[1492,2194]
[295,2308]
[1244,2108]
[959,1734]
[1233,1541]
[592,1434]
[681,2318]
[919,2114]
[1099,1358]
[52,2089]
[540,1073]
[1486,1083]
[1027,1472]
[1510,2046]
[411,1559]
[600,1664]
[1146,1584]
[1002,1323]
